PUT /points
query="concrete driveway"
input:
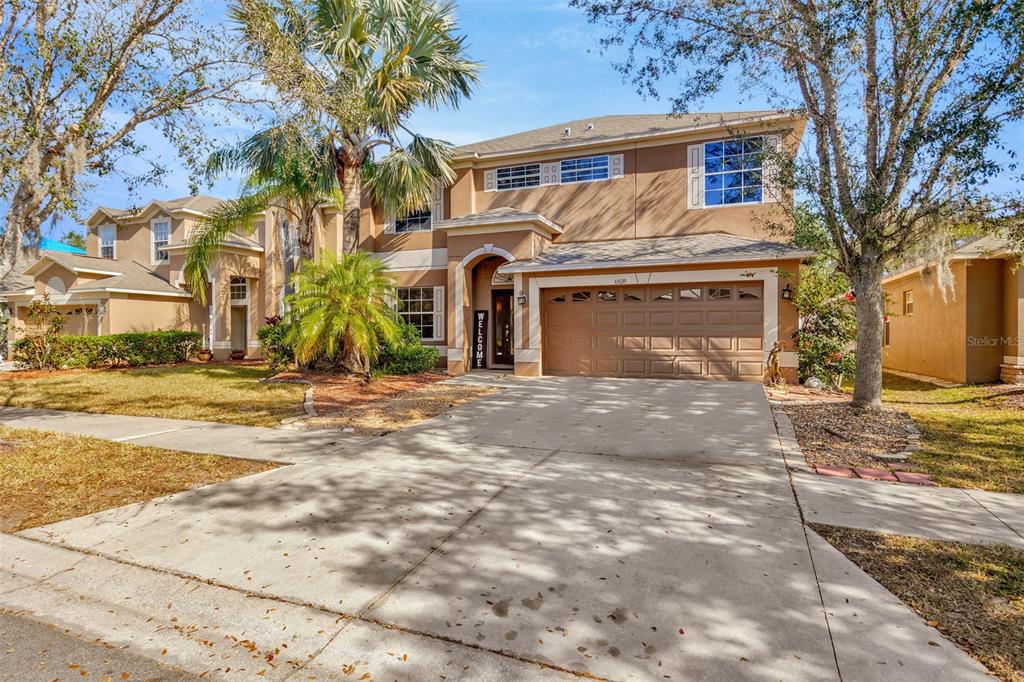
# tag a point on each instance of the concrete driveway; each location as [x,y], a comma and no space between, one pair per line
[629,530]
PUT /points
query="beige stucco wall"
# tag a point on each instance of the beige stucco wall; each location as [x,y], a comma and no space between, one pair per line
[932,341]
[1013,310]
[648,201]
[984,306]
[149,313]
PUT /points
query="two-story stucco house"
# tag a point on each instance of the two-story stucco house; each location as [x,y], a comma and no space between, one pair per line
[633,246]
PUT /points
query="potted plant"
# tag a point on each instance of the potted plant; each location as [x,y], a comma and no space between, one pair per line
[205,355]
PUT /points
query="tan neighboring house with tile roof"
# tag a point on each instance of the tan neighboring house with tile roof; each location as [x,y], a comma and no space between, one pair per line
[626,246]
[131,278]
[970,333]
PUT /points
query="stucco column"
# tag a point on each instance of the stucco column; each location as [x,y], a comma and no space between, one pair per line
[1012,369]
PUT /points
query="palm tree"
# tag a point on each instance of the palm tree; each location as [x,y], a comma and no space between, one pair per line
[297,183]
[350,73]
[342,307]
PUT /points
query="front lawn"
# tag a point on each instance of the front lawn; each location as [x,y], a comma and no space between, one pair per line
[971,436]
[226,393]
[974,594]
[48,477]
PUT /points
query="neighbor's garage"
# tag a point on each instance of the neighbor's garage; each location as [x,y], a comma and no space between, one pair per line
[684,331]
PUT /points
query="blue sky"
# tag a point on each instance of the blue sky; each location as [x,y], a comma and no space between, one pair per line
[542,65]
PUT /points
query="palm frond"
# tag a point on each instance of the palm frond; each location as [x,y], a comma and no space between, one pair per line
[235,216]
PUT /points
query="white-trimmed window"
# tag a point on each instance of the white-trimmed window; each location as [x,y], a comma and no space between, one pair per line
[733,171]
[423,308]
[518,177]
[583,170]
[238,290]
[419,221]
[161,229]
[107,234]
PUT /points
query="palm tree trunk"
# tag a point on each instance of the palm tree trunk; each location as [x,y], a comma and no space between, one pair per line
[351,187]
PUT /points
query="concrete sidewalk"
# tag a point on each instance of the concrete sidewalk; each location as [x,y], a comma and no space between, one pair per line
[248,442]
[956,514]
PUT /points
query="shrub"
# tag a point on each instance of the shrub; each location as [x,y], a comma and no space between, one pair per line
[39,347]
[828,328]
[273,339]
[407,355]
[117,350]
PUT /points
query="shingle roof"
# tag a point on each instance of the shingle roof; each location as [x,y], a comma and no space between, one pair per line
[202,203]
[77,261]
[134,277]
[498,216]
[609,128]
[715,247]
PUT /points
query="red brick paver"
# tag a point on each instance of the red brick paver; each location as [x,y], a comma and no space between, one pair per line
[916,478]
[841,472]
[874,474]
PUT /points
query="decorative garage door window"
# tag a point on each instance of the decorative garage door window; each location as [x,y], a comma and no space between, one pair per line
[733,171]
[423,308]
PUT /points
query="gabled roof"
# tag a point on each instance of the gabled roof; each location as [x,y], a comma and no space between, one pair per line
[78,263]
[987,246]
[602,129]
[714,247]
[233,240]
[200,204]
[502,216]
[135,278]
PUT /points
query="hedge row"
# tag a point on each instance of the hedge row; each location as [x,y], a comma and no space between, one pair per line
[115,350]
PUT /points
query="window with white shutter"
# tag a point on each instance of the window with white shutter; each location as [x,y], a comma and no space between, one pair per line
[423,308]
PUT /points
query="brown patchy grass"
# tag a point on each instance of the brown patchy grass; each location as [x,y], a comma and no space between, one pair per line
[216,392]
[974,594]
[386,404]
[48,477]
[834,434]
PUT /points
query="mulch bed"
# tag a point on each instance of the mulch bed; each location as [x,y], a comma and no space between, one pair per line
[333,392]
[386,404]
[834,434]
[1005,396]
[973,594]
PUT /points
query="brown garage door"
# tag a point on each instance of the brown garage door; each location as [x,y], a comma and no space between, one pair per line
[666,331]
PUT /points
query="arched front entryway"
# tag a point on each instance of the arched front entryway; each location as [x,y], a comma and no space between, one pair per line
[484,331]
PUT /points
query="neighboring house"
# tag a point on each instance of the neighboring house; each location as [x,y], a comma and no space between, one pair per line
[635,246]
[969,335]
[131,277]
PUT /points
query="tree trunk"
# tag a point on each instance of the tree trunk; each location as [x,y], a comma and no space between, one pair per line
[24,219]
[351,187]
[870,303]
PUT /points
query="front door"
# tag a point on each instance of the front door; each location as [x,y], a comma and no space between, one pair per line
[239,328]
[503,327]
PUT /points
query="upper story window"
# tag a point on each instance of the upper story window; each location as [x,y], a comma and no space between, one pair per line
[908,302]
[516,177]
[418,221]
[584,170]
[161,237]
[733,171]
[107,234]
[239,290]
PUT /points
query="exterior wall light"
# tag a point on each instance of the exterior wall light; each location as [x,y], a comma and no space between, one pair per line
[521,298]
[787,293]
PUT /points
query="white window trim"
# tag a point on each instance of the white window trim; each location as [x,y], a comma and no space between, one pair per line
[152,240]
[551,173]
[113,241]
[696,174]
[238,301]
[438,313]
[580,158]
[429,225]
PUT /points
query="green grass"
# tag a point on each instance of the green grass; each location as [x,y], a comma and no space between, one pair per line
[973,594]
[47,477]
[968,440]
[231,394]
